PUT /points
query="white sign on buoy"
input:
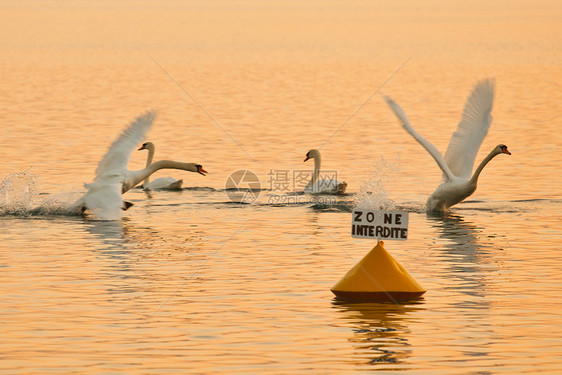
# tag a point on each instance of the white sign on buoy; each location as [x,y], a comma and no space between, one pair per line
[387,225]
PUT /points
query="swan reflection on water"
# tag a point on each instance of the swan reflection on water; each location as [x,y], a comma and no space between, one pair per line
[463,239]
[467,255]
[380,330]
[460,235]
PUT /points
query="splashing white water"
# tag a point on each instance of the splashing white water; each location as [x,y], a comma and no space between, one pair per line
[58,204]
[19,196]
[372,194]
[16,192]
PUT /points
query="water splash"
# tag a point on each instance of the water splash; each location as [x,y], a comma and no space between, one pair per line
[17,191]
[372,194]
[57,204]
[19,196]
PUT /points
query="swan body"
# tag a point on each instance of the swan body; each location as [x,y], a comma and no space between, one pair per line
[162,183]
[458,184]
[103,198]
[322,186]
[103,201]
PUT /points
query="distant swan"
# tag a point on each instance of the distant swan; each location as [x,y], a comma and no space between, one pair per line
[167,183]
[103,198]
[323,186]
[464,144]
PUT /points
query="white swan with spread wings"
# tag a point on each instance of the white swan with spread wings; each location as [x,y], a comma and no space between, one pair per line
[103,198]
[458,162]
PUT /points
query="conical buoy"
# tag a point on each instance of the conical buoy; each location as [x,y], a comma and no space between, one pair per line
[378,277]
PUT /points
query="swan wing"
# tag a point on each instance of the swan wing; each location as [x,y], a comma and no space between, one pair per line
[473,127]
[116,159]
[399,112]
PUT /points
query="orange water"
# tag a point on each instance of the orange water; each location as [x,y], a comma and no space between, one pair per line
[188,281]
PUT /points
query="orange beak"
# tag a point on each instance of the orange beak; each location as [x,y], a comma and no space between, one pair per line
[201,171]
[306,158]
[506,151]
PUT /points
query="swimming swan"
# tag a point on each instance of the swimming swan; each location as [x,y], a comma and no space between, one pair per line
[167,183]
[323,186]
[103,198]
[458,162]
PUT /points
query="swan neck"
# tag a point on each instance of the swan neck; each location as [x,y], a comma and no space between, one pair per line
[143,174]
[474,178]
[168,164]
[316,173]
[148,162]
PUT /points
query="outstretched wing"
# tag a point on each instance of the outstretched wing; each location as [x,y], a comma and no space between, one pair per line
[399,112]
[116,159]
[475,122]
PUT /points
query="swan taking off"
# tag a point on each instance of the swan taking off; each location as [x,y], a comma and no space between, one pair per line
[103,198]
[322,186]
[162,183]
[458,162]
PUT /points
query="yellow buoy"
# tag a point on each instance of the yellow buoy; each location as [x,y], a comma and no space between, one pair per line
[378,277]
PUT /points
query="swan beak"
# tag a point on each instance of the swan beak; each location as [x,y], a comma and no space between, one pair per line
[307,157]
[201,171]
[505,150]
[141,148]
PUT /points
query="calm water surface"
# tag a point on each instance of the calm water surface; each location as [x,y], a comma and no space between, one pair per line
[190,282]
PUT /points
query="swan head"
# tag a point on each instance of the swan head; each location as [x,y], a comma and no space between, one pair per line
[147,146]
[199,169]
[312,154]
[502,149]
[193,167]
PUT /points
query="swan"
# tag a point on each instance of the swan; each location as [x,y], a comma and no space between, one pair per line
[103,198]
[168,183]
[323,186]
[458,162]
